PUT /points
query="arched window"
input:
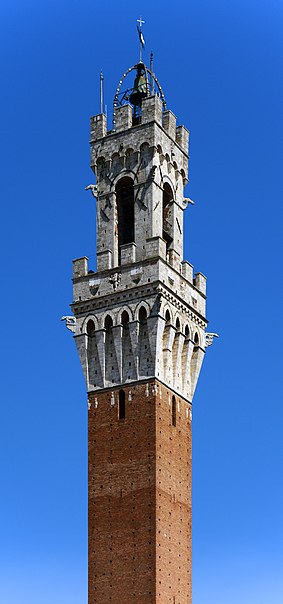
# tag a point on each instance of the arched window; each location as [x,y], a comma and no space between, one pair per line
[108,323]
[90,328]
[167,317]
[174,413]
[167,227]
[196,339]
[142,314]
[122,405]
[125,212]
[125,318]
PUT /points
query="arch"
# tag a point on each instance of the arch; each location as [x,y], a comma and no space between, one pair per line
[187,332]
[125,204]
[167,215]
[145,357]
[128,363]
[196,339]
[142,314]
[167,317]
[178,324]
[108,323]
[174,411]
[125,318]
[126,309]
[93,365]
[90,328]
[122,405]
[85,322]
[111,364]
[137,309]
[117,94]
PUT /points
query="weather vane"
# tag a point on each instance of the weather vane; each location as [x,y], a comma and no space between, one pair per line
[142,42]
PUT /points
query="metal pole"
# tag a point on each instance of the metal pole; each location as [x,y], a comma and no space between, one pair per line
[101,93]
[151,73]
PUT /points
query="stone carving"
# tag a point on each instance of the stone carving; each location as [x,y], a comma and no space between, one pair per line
[187,201]
[115,280]
[94,286]
[209,337]
[70,323]
[93,189]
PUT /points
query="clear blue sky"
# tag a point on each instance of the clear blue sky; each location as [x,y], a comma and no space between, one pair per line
[220,64]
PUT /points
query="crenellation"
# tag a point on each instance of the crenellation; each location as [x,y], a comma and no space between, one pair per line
[80,267]
[98,126]
[169,123]
[124,117]
[152,109]
[182,137]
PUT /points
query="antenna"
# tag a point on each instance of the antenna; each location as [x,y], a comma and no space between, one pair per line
[151,85]
[101,93]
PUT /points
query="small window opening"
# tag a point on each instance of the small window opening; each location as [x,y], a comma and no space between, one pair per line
[196,339]
[174,415]
[122,405]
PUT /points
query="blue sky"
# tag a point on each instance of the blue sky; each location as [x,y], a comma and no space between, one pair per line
[220,65]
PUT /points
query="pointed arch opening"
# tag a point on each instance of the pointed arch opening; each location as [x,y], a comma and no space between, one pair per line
[125,213]
[145,358]
[111,366]
[167,210]
[94,369]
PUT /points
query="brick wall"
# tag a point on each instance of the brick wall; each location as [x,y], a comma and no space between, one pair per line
[139,497]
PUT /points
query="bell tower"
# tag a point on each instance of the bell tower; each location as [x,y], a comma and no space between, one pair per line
[139,326]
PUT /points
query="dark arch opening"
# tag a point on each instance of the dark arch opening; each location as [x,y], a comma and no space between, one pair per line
[90,328]
[142,314]
[122,405]
[108,323]
[178,324]
[167,317]
[196,339]
[187,331]
[126,213]
[124,318]
[167,228]
[174,412]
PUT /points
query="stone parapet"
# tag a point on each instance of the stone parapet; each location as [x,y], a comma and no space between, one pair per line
[98,127]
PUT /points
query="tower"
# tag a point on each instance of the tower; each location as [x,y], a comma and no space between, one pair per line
[139,326]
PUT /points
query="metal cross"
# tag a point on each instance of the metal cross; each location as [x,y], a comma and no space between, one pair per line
[140,22]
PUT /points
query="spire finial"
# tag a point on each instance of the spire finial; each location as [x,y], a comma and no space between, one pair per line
[142,42]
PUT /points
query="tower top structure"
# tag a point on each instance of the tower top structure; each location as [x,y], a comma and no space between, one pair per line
[139,325]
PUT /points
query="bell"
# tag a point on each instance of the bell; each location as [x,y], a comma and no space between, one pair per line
[140,87]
